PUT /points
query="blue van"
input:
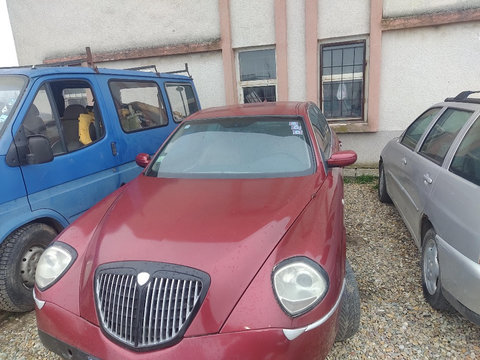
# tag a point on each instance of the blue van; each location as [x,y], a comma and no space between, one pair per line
[69,137]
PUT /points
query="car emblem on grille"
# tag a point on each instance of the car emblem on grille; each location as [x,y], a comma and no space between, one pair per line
[143,278]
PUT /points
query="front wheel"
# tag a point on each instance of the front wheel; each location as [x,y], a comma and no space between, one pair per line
[349,315]
[19,255]
[382,186]
[431,282]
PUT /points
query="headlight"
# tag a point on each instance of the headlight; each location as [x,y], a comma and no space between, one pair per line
[299,284]
[53,264]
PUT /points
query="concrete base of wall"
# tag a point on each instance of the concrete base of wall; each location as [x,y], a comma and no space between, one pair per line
[368,146]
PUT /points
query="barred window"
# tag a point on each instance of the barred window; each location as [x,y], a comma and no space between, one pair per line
[342,80]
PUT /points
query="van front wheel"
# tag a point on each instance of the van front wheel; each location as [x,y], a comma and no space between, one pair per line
[19,255]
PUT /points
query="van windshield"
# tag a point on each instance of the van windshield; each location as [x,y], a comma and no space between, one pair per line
[250,147]
[11,87]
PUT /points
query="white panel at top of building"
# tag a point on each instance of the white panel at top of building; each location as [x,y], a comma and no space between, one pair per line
[423,66]
[398,8]
[343,18]
[59,28]
[252,23]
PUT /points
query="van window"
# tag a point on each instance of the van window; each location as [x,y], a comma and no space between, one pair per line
[139,105]
[182,100]
[466,162]
[10,89]
[65,112]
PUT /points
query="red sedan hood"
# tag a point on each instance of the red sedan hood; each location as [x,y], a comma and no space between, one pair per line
[226,228]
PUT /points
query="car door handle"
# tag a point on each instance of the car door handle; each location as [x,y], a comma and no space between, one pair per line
[404,161]
[427,179]
[113,146]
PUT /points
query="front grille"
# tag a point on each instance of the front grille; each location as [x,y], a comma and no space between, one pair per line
[151,314]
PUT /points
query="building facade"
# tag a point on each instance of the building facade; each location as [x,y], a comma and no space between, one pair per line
[372,66]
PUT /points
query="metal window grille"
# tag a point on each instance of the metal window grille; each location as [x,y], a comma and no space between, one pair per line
[342,80]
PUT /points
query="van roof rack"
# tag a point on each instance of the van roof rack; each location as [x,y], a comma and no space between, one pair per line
[464,97]
[154,68]
[145,67]
[185,70]
[91,64]
[76,62]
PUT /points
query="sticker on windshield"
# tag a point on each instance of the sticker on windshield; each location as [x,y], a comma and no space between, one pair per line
[296,127]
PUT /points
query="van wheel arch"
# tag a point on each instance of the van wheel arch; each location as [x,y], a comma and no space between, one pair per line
[19,254]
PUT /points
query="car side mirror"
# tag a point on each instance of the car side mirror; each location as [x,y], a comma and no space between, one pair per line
[40,150]
[142,159]
[342,158]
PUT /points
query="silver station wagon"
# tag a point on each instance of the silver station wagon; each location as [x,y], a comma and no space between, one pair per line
[432,175]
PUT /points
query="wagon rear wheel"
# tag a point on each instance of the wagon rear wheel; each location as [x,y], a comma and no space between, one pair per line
[431,282]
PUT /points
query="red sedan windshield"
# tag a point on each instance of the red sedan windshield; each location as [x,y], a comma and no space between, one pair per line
[247,147]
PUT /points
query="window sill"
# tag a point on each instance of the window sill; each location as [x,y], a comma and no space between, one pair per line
[351,127]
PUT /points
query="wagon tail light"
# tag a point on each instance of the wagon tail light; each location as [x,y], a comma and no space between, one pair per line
[299,285]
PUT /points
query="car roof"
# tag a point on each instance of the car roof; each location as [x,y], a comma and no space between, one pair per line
[282,108]
[37,71]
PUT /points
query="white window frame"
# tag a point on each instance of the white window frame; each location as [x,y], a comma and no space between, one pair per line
[253,83]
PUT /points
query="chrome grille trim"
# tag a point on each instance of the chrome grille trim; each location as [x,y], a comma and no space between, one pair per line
[111,302]
[155,314]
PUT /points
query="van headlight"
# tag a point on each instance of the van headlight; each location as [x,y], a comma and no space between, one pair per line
[53,264]
[299,284]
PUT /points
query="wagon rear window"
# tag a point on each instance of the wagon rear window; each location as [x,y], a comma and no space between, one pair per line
[236,148]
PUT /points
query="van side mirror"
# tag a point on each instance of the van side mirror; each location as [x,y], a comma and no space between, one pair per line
[342,158]
[142,159]
[40,150]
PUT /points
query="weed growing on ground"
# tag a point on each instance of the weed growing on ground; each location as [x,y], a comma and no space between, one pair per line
[362,179]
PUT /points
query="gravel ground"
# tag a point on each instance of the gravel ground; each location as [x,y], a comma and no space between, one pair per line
[396,323]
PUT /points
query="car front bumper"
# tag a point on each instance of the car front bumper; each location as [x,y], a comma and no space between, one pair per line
[72,337]
[460,280]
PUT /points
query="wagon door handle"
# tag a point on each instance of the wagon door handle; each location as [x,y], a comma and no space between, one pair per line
[427,179]
[404,161]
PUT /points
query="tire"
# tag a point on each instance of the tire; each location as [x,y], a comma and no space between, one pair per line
[349,315]
[382,186]
[431,282]
[19,254]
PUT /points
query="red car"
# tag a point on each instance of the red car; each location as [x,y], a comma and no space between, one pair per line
[230,245]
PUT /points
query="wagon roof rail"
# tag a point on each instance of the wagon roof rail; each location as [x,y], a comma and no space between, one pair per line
[464,97]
